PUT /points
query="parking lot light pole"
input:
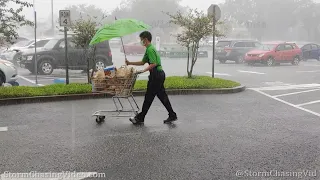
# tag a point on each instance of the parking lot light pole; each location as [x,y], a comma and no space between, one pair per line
[35,43]
[52,20]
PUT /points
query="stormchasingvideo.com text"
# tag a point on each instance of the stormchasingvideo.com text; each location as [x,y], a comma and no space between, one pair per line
[64,174]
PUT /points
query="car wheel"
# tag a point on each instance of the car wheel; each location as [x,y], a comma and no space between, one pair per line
[295,61]
[222,61]
[250,63]
[16,58]
[45,67]
[240,60]
[270,62]
[2,79]
[100,65]
[15,83]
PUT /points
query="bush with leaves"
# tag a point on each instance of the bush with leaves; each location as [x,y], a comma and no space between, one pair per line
[195,25]
[11,19]
[84,30]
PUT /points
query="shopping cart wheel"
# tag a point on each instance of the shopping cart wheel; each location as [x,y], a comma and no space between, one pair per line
[100,119]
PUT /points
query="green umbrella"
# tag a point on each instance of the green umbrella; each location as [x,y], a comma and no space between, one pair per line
[119,28]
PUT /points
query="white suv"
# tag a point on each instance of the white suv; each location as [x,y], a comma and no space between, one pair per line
[8,73]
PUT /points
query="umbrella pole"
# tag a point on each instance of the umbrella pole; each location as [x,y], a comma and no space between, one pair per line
[124,51]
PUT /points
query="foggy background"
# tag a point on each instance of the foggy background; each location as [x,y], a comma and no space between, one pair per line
[285,20]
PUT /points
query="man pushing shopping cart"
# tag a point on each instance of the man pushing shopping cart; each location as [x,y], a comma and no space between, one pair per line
[156,81]
[125,85]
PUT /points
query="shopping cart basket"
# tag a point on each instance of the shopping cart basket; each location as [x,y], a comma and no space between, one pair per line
[121,89]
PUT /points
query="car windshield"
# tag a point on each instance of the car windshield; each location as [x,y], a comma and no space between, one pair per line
[42,43]
[29,43]
[223,44]
[51,44]
[300,45]
[266,47]
[21,44]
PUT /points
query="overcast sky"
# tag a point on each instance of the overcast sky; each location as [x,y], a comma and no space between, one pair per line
[43,7]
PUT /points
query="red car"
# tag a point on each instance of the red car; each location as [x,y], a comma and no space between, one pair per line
[272,53]
[133,49]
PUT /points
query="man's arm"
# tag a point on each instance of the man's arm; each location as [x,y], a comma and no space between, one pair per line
[139,63]
[152,55]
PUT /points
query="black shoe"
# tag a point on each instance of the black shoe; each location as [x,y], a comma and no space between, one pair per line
[136,120]
[171,119]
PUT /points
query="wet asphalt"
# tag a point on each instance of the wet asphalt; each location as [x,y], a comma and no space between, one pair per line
[216,137]
[270,131]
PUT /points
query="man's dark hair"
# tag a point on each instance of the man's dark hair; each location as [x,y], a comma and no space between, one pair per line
[147,35]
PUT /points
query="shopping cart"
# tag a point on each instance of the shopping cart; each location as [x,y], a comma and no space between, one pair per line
[120,89]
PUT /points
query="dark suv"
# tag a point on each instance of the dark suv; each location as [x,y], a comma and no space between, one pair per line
[234,50]
[52,56]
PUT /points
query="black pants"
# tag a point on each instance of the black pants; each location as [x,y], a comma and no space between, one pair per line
[156,88]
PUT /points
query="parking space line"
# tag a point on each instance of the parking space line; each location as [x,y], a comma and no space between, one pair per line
[288,94]
[307,71]
[288,87]
[251,72]
[219,74]
[309,103]
[287,103]
[3,129]
[311,65]
[29,80]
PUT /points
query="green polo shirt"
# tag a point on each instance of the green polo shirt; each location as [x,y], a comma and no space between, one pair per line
[151,56]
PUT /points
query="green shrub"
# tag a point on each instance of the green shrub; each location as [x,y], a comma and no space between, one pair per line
[174,82]
[197,82]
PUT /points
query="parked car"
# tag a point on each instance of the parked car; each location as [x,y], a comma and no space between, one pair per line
[234,50]
[8,73]
[272,53]
[309,50]
[40,43]
[52,56]
[14,53]
[133,49]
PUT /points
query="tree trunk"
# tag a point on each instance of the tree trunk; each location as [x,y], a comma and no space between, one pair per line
[195,48]
[188,61]
[190,67]
[87,59]
[93,62]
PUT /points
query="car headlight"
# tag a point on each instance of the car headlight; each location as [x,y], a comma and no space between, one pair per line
[261,55]
[9,64]
[29,58]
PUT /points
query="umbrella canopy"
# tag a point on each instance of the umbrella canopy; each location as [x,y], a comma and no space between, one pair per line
[119,28]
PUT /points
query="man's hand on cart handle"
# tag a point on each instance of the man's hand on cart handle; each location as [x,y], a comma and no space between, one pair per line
[127,62]
[140,71]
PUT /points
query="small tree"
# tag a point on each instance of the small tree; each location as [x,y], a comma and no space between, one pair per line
[195,26]
[84,30]
[11,19]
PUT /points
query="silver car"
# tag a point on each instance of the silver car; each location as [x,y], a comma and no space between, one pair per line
[8,73]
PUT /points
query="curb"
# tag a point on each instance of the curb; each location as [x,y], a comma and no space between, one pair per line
[38,99]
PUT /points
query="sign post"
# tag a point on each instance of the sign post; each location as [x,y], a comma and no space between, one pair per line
[215,12]
[65,21]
